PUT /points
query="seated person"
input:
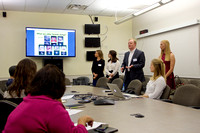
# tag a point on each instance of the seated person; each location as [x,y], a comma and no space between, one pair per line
[24,73]
[157,83]
[11,72]
[41,111]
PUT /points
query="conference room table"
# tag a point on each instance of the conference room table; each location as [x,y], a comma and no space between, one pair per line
[159,116]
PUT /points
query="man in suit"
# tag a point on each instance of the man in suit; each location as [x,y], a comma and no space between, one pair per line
[133,63]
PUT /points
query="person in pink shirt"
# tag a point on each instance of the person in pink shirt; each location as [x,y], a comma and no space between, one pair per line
[41,111]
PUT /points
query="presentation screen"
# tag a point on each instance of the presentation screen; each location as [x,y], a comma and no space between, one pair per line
[49,42]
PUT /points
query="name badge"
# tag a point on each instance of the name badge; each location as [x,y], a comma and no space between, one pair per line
[99,64]
[134,60]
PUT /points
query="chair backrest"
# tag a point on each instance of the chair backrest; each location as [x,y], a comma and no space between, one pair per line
[195,82]
[102,82]
[166,93]
[14,100]
[118,82]
[81,81]
[1,94]
[3,85]
[121,77]
[187,95]
[67,81]
[6,108]
[136,86]
[144,84]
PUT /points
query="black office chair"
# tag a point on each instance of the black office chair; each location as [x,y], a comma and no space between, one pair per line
[102,82]
[166,93]
[6,108]
[118,82]
[14,100]
[134,86]
[1,94]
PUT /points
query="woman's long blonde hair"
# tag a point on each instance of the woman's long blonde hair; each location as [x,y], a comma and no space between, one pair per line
[100,53]
[167,50]
[159,68]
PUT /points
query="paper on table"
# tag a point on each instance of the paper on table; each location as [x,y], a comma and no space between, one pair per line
[66,97]
[130,95]
[73,111]
[95,125]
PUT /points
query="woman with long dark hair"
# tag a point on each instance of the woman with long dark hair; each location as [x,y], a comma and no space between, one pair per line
[112,66]
[24,73]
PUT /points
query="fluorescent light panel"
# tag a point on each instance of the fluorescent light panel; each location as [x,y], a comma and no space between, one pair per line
[156,5]
[147,9]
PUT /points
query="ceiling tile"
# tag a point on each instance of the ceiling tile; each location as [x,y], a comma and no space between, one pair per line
[36,5]
[1,5]
[82,2]
[14,5]
[57,6]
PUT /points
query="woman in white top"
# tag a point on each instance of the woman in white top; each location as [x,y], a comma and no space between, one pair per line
[24,73]
[157,83]
[113,66]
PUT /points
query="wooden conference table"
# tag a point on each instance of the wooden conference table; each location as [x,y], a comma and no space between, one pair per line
[160,117]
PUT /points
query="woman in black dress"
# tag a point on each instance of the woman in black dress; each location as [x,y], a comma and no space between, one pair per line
[98,66]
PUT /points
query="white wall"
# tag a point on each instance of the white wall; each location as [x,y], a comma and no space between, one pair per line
[174,13]
[12,38]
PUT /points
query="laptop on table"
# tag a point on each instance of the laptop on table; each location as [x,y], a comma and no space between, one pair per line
[117,92]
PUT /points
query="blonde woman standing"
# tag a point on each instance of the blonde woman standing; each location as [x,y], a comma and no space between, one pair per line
[157,83]
[169,59]
[98,66]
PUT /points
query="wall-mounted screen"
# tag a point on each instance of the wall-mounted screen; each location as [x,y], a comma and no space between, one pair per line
[90,55]
[92,28]
[50,42]
[92,42]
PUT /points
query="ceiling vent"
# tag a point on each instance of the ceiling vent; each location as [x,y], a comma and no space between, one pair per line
[77,7]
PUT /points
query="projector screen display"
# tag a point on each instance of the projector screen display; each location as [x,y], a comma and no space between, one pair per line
[45,42]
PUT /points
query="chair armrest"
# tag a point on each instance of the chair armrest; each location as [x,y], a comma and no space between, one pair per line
[195,107]
[166,100]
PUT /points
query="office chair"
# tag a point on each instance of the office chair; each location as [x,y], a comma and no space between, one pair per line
[6,108]
[136,86]
[102,82]
[14,100]
[144,84]
[121,77]
[67,81]
[3,85]
[81,81]
[187,95]
[1,94]
[195,82]
[166,93]
[118,82]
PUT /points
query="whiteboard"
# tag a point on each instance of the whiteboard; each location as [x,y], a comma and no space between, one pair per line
[184,44]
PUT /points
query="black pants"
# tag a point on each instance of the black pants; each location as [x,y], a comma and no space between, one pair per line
[127,80]
[116,76]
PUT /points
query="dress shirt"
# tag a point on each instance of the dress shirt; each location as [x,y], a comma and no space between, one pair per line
[155,88]
[112,66]
[130,57]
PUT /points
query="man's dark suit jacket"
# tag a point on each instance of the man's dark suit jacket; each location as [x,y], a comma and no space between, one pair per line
[138,62]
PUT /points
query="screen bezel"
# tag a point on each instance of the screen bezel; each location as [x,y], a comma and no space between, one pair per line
[52,29]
